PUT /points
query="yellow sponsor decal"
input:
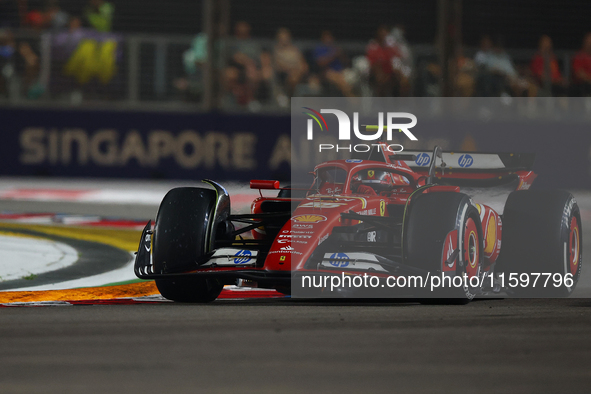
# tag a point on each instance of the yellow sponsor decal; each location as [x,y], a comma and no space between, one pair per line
[491,236]
[309,218]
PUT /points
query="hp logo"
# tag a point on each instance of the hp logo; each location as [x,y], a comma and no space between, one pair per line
[336,260]
[465,161]
[423,159]
[243,257]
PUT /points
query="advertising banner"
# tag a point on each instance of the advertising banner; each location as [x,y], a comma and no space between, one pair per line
[120,144]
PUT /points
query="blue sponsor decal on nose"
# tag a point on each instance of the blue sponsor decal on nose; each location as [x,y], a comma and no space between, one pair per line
[243,257]
[336,260]
[353,161]
[423,159]
[465,161]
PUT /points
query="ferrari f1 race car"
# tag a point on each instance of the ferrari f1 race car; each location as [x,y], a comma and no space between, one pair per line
[387,216]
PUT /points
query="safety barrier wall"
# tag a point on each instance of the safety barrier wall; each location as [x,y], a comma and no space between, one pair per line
[175,145]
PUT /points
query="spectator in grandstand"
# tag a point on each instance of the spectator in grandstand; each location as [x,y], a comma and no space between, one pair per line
[384,79]
[545,70]
[194,59]
[245,53]
[55,17]
[497,74]
[30,75]
[35,19]
[330,61]
[290,65]
[267,88]
[19,67]
[236,93]
[582,69]
[403,64]
[312,87]
[464,70]
[99,15]
[245,60]
[485,51]
[461,71]
[7,59]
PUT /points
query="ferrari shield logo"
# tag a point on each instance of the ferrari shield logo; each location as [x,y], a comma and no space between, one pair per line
[382,207]
[371,174]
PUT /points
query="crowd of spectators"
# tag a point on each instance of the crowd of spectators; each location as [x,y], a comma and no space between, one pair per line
[19,56]
[256,75]
[49,14]
[256,72]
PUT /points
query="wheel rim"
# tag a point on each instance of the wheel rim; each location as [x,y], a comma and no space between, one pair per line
[575,246]
[471,248]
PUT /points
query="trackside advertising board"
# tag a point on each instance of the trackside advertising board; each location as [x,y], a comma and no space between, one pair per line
[100,143]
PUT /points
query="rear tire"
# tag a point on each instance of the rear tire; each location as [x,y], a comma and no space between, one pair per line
[431,218]
[542,233]
[181,237]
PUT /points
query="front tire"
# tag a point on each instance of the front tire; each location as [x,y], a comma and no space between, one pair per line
[189,289]
[181,237]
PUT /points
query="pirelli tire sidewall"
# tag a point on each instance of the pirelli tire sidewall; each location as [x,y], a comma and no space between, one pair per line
[538,229]
[430,218]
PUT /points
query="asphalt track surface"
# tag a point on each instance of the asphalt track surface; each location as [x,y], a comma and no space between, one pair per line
[284,345]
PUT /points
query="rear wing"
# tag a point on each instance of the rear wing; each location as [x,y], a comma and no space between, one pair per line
[471,161]
[466,169]
[472,169]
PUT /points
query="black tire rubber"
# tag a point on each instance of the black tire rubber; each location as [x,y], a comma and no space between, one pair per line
[536,231]
[429,220]
[187,289]
[179,240]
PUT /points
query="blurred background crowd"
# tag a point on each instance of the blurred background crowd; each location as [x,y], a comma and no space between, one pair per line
[253,56]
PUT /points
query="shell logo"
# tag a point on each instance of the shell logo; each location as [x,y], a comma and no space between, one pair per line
[309,218]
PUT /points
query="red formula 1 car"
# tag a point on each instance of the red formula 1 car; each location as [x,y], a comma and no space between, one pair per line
[392,215]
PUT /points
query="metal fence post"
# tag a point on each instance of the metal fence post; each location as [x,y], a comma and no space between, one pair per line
[133,54]
[160,68]
[45,52]
[208,69]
